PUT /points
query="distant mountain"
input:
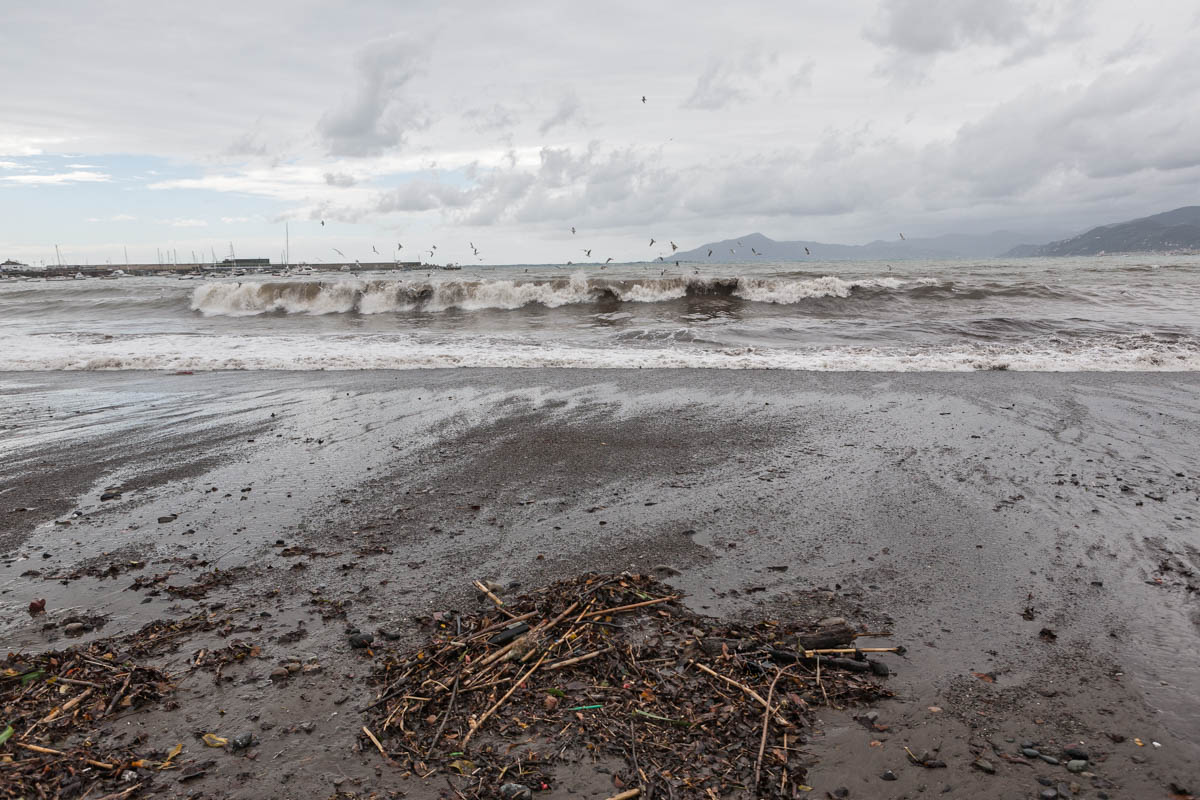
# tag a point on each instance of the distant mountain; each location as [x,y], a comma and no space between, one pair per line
[953,245]
[1170,231]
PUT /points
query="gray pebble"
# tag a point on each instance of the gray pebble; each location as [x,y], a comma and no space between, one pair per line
[1076,765]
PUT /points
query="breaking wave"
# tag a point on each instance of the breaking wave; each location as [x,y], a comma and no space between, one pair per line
[392,296]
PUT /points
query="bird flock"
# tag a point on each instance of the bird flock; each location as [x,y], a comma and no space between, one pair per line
[587,251]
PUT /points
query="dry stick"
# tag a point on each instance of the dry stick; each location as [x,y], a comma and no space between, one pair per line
[732,682]
[850,650]
[123,793]
[120,692]
[626,795]
[577,659]
[65,707]
[47,751]
[375,741]
[629,607]
[445,718]
[76,682]
[500,702]
[823,692]
[762,745]
[491,596]
[504,623]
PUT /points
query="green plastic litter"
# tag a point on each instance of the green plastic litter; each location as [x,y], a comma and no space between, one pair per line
[6,735]
[585,708]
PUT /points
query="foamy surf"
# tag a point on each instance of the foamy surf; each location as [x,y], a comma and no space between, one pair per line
[397,296]
[278,352]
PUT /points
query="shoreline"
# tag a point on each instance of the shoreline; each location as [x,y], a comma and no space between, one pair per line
[948,506]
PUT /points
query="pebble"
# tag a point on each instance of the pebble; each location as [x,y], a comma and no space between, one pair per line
[1044,781]
[516,791]
[1051,760]
[110,496]
[292,667]
[167,518]
[74,628]
[1048,794]
[984,765]
[831,622]
[1076,765]
[279,673]
[361,640]
[888,775]
[241,741]
[1029,752]
[1075,753]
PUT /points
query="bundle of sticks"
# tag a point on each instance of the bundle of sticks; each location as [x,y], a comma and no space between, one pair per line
[613,669]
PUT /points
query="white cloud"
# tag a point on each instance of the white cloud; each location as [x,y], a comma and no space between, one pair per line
[233,220]
[567,109]
[77,176]
[183,222]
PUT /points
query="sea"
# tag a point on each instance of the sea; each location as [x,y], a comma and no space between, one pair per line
[1123,313]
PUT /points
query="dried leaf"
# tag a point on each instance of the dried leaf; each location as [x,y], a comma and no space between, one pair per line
[985,677]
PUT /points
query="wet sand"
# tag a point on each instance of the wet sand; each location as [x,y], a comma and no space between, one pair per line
[963,512]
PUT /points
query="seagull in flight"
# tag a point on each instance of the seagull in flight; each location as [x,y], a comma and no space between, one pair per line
[373,250]
[902,237]
[572,230]
[643,98]
[710,252]
[731,251]
[752,250]
[806,252]
[674,247]
[652,243]
[339,252]
[399,246]
[739,244]
[587,253]
[322,223]
[606,262]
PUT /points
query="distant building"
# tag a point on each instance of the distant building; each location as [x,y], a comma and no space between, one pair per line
[10,264]
[246,262]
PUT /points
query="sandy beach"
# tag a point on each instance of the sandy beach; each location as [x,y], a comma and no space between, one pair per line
[1030,538]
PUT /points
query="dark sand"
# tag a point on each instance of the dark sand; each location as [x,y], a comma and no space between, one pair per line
[941,506]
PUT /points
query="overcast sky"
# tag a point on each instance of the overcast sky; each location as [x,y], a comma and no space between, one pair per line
[156,125]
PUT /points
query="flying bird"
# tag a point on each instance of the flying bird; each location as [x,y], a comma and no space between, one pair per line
[322,223]
[674,247]
[902,237]
[710,252]
[652,243]
[434,246]
[609,259]
[739,244]
[572,230]
[731,251]
[339,252]
[643,98]
[752,250]
[587,253]
[806,252]
[373,250]
[399,246]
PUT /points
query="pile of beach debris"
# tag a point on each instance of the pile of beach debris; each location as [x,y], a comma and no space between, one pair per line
[612,670]
[48,705]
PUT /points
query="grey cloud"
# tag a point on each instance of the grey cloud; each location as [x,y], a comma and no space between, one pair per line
[376,116]
[1120,125]
[730,79]
[422,195]
[247,144]
[568,109]
[803,77]
[928,27]
[490,118]
[340,179]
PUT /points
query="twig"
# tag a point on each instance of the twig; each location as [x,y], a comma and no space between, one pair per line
[629,607]
[626,795]
[578,659]
[500,702]
[375,741]
[122,793]
[491,596]
[120,692]
[49,752]
[445,718]
[766,725]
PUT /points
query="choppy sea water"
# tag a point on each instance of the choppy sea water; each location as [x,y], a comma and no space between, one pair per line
[1106,313]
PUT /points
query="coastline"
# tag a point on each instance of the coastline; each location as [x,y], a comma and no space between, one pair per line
[942,505]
